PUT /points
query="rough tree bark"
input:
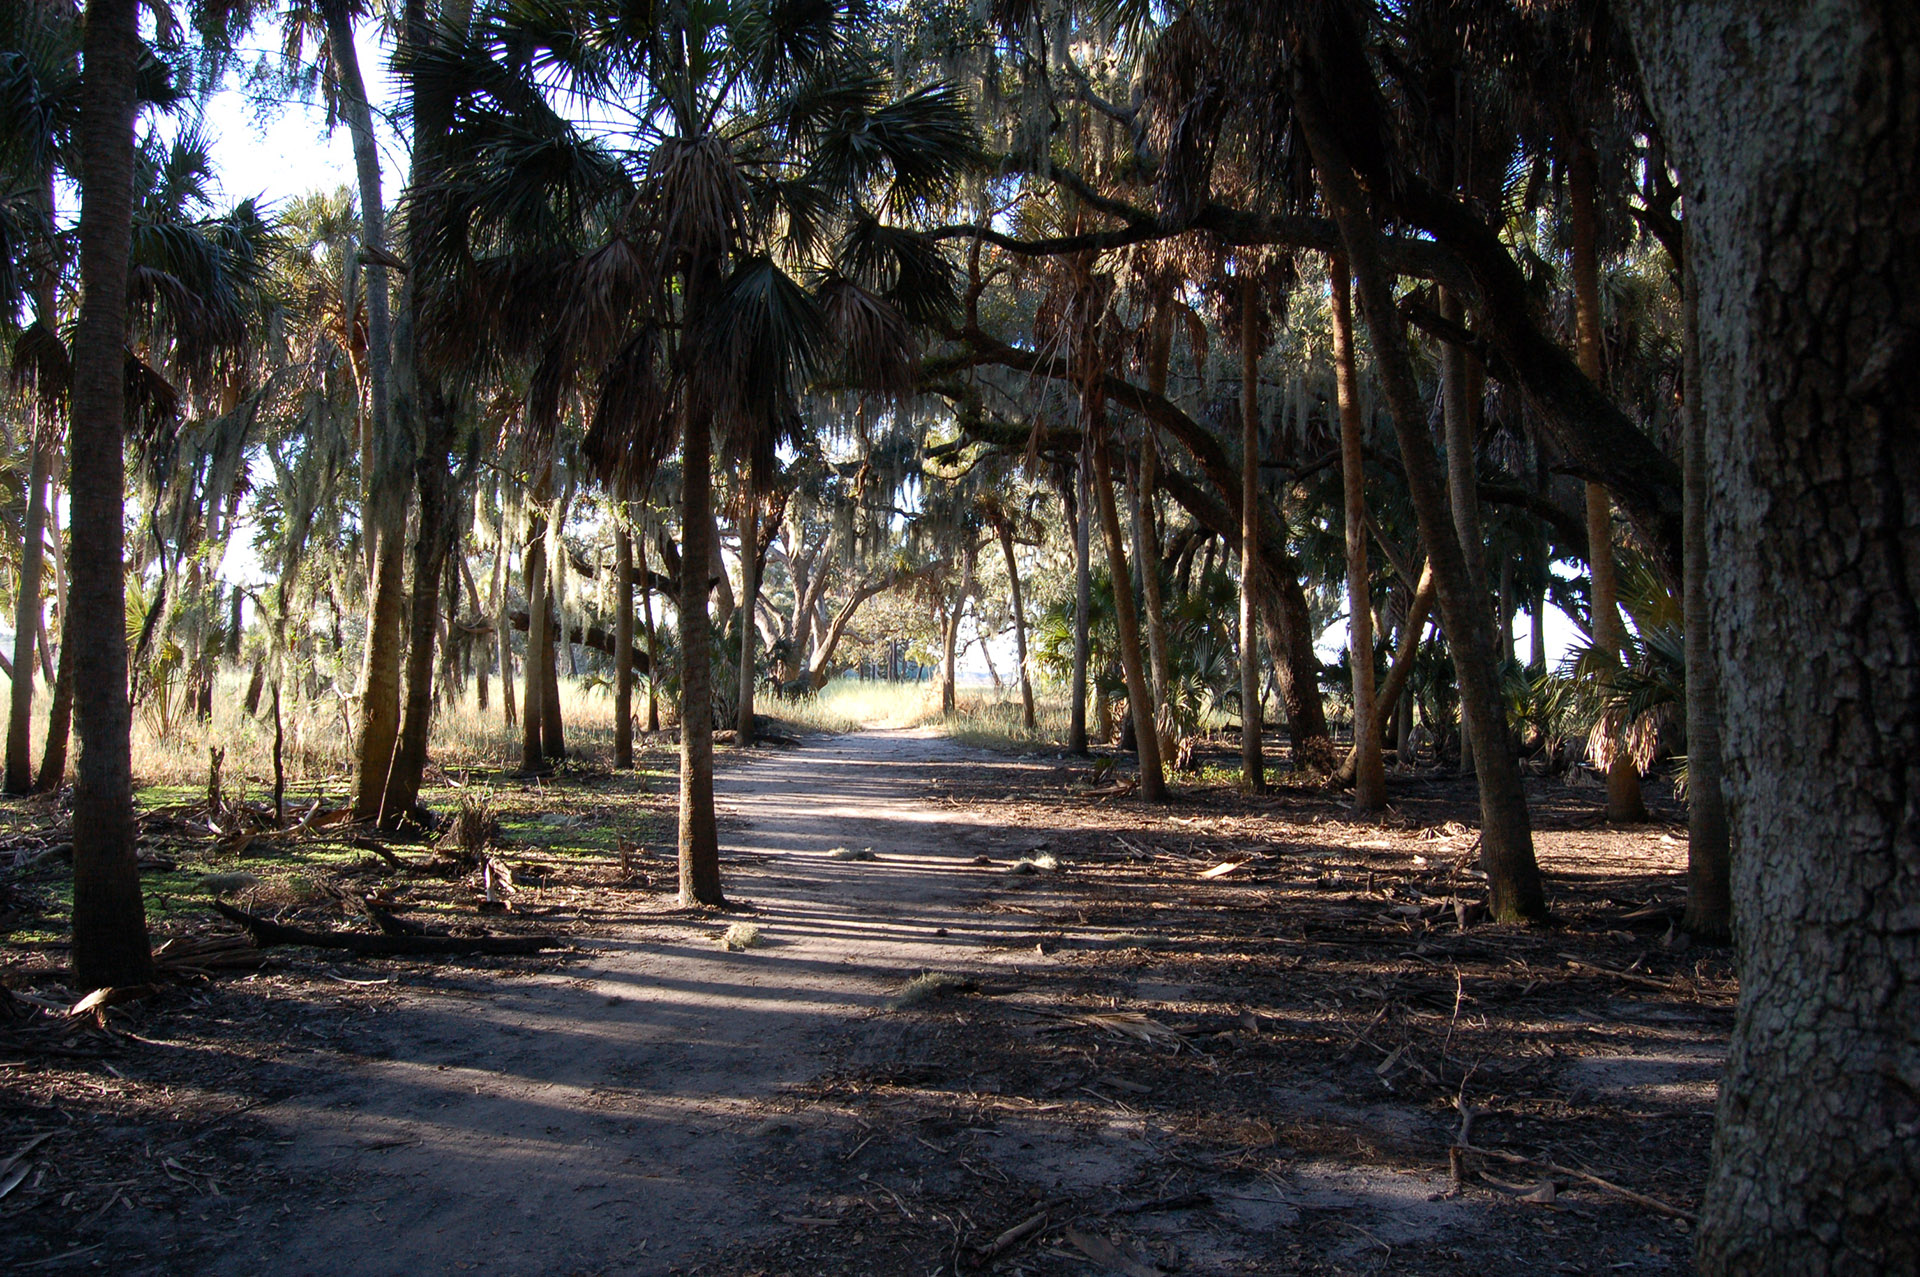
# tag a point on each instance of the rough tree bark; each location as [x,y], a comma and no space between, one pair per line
[1624,803]
[1082,605]
[749,598]
[1019,624]
[1153,779]
[699,831]
[1369,768]
[950,639]
[533,564]
[1709,913]
[1457,415]
[433,539]
[622,643]
[1146,535]
[1795,126]
[1506,832]
[26,616]
[110,944]
[1252,769]
[653,635]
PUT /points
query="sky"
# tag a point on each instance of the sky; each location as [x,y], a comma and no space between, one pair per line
[279,150]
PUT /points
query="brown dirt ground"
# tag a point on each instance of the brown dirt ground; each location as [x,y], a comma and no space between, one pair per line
[1284,1058]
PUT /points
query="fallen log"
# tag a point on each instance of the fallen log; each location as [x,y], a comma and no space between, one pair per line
[266,933]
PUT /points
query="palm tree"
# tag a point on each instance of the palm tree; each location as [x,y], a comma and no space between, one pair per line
[41,87]
[110,944]
[1369,773]
[766,144]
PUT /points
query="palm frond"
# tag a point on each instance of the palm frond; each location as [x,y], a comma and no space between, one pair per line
[878,350]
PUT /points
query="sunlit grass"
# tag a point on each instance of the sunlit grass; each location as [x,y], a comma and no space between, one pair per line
[987,719]
[317,751]
[848,704]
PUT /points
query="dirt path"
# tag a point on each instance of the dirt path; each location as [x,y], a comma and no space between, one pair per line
[1312,1012]
[607,1116]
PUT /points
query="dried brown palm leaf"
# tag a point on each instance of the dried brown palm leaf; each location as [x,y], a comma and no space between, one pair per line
[878,349]
[695,198]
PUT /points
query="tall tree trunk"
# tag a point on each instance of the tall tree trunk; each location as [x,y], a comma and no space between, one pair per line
[53,760]
[26,616]
[502,631]
[699,831]
[1506,832]
[1624,802]
[1153,780]
[1019,625]
[951,637]
[479,669]
[749,599]
[1393,698]
[622,642]
[1709,860]
[1796,130]
[383,472]
[533,567]
[1369,769]
[1252,769]
[380,665]
[1458,414]
[554,636]
[432,540]
[1082,606]
[358,114]
[109,917]
[1146,534]
[653,635]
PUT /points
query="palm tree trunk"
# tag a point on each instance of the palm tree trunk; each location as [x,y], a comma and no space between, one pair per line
[653,635]
[699,831]
[110,944]
[749,598]
[1709,913]
[26,617]
[432,541]
[1153,780]
[1369,771]
[533,565]
[53,759]
[622,643]
[478,668]
[1082,608]
[1252,768]
[1506,833]
[502,630]
[1624,802]
[1019,625]
[553,636]
[1146,535]
[1458,413]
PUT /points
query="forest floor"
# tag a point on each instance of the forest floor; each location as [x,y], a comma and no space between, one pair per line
[1232,1035]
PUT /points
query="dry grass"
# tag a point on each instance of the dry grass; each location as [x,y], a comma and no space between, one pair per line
[319,736]
[984,718]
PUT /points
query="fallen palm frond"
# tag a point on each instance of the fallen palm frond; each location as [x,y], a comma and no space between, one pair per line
[266,933]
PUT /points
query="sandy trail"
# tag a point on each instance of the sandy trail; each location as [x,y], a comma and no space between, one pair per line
[604,1117]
